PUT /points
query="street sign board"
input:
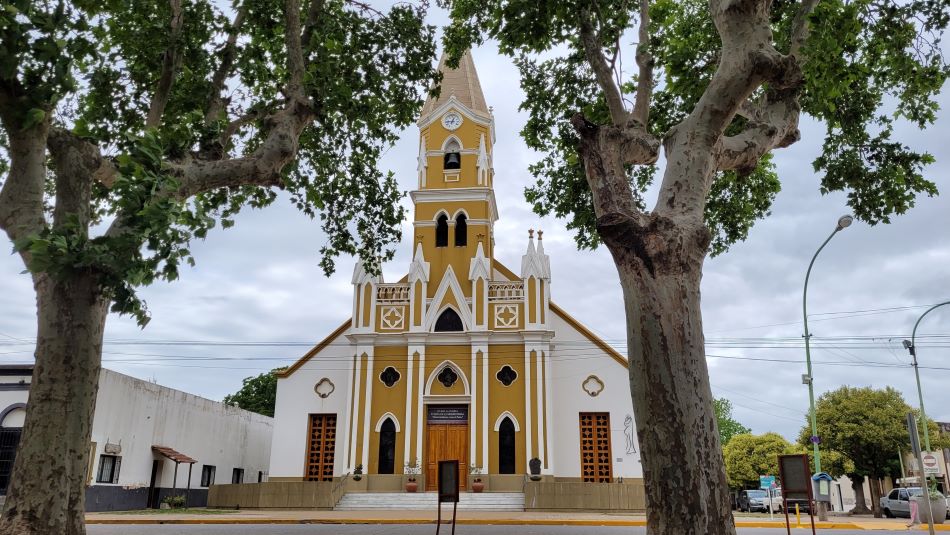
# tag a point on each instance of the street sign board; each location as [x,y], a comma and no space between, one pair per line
[766,482]
[931,465]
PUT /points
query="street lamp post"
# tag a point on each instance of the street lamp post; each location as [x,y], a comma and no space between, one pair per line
[912,348]
[843,223]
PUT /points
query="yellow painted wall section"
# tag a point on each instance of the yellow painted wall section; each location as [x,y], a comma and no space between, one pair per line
[460,258]
[544,406]
[353,405]
[387,399]
[426,211]
[476,415]
[417,312]
[436,134]
[367,303]
[532,300]
[360,411]
[416,399]
[541,293]
[503,398]
[535,414]
[461,355]
[479,298]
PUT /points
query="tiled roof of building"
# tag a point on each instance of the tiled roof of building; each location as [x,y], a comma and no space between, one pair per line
[173,455]
[462,83]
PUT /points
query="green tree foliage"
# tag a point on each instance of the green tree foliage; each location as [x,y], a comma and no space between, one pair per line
[868,64]
[184,103]
[257,394]
[865,425]
[749,456]
[728,426]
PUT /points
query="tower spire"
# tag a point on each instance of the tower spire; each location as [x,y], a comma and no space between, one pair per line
[461,83]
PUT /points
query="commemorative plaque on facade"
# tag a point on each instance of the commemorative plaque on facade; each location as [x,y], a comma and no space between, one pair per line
[447,414]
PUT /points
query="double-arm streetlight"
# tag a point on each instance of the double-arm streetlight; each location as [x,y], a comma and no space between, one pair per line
[912,347]
[843,223]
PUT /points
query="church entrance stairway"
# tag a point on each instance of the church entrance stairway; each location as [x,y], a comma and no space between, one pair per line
[485,501]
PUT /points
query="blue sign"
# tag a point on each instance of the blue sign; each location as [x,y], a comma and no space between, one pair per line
[766,482]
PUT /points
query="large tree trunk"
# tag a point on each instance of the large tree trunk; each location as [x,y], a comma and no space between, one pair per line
[876,493]
[686,489]
[47,488]
[860,503]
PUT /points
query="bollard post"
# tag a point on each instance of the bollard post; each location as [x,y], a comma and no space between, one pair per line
[798,515]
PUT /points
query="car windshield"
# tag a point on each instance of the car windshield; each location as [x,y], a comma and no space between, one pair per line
[757,494]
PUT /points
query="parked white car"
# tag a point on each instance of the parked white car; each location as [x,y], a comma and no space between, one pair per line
[897,502]
[777,499]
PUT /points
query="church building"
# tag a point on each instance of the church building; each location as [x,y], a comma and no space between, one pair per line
[462,358]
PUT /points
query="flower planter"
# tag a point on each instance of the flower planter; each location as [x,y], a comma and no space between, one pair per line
[412,486]
[939,507]
[478,486]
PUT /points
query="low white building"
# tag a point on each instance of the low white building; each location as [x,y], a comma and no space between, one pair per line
[150,441]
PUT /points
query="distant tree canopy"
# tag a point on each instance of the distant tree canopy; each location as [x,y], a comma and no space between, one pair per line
[749,456]
[728,426]
[257,394]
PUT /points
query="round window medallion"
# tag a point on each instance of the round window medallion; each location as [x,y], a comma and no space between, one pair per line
[324,388]
[506,375]
[593,386]
[389,377]
[447,377]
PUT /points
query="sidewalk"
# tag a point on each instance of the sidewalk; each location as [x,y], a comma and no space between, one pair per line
[464,517]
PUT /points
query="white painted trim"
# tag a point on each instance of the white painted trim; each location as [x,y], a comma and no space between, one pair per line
[444,400]
[350,409]
[406,437]
[455,216]
[449,281]
[437,369]
[547,407]
[367,413]
[379,423]
[539,399]
[452,137]
[419,418]
[507,414]
[469,222]
[448,105]
[527,404]
[484,350]
[435,218]
[457,194]
[473,414]
[356,408]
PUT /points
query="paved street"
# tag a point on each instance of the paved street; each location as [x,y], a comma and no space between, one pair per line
[403,530]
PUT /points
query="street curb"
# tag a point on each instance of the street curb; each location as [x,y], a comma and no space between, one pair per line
[463,521]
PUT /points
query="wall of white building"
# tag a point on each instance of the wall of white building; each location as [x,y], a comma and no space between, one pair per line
[136,415]
[14,391]
[296,400]
[575,358]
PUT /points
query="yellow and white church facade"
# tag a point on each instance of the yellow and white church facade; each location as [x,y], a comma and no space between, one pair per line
[463,358]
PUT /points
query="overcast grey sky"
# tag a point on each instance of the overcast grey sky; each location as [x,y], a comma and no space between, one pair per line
[260,282]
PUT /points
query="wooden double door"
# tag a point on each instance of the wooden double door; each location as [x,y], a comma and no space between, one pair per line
[446,440]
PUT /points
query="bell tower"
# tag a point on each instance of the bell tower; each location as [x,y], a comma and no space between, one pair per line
[455,208]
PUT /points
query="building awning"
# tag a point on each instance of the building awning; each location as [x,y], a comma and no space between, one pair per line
[176,456]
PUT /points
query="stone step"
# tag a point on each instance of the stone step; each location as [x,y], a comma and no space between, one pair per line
[485,501]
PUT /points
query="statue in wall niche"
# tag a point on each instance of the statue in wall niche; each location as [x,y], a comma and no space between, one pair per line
[628,433]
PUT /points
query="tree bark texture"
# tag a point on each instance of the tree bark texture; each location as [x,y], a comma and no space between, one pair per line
[659,259]
[860,502]
[876,493]
[47,488]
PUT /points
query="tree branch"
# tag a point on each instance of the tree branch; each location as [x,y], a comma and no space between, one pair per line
[295,61]
[595,57]
[170,65]
[64,146]
[641,107]
[800,27]
[216,101]
[316,8]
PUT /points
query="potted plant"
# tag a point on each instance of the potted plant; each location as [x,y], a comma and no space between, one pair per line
[534,468]
[938,504]
[476,471]
[358,472]
[412,470]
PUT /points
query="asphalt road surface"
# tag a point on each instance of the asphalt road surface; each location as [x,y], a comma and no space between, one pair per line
[418,529]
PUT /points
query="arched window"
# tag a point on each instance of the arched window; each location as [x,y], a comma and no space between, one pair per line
[506,447]
[461,231]
[387,447]
[453,157]
[442,231]
[449,321]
